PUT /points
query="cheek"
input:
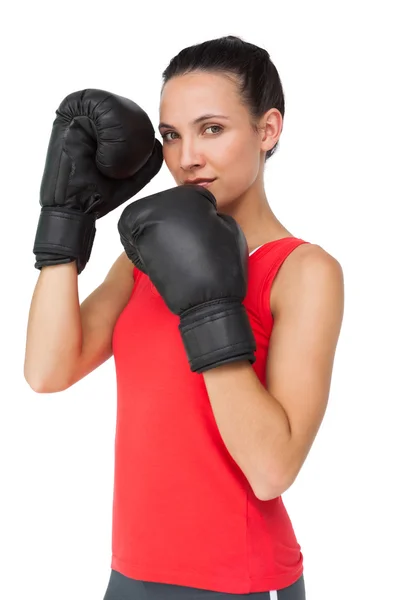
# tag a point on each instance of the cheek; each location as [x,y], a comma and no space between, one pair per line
[171,160]
[238,165]
[240,161]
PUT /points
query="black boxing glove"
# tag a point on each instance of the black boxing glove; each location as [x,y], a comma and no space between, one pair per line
[102,151]
[197,259]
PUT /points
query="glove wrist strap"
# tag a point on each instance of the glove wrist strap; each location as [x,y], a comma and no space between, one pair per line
[62,236]
[217,333]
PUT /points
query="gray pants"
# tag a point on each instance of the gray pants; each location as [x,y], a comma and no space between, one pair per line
[125,588]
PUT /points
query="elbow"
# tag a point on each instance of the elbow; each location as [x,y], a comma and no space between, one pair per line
[272,493]
[45,387]
[45,383]
[271,490]
[269,494]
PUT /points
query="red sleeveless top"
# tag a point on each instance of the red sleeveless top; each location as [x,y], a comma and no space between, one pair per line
[183,511]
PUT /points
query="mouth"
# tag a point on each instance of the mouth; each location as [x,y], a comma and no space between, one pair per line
[199,181]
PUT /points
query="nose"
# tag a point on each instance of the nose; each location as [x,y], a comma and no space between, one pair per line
[191,156]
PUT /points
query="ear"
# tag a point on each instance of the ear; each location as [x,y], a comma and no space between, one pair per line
[270,127]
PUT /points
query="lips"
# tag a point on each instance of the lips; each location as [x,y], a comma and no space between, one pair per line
[202,182]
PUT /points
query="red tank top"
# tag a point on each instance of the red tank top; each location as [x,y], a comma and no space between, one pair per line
[183,511]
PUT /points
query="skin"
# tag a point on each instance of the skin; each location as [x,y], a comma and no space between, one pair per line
[269,430]
[229,149]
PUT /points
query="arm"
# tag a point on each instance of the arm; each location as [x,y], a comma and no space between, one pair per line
[66,341]
[269,432]
[252,424]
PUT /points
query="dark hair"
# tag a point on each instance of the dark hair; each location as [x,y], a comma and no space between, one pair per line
[258,80]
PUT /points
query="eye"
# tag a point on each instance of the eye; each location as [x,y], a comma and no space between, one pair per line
[215,130]
[218,127]
[164,135]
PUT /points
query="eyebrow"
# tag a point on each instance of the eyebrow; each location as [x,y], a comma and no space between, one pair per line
[196,121]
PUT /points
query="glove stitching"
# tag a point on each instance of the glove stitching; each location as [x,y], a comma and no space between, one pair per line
[233,300]
[246,347]
[68,216]
[208,318]
[44,247]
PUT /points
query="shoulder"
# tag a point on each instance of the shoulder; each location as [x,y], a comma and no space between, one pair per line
[309,270]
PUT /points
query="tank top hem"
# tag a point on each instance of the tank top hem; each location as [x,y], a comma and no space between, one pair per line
[228,583]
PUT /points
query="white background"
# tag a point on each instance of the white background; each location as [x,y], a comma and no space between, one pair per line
[334,181]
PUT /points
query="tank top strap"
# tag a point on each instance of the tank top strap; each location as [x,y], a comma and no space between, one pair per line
[267,261]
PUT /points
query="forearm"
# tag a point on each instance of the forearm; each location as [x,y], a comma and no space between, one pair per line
[54,331]
[253,425]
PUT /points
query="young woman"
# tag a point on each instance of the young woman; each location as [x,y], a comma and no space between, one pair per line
[212,431]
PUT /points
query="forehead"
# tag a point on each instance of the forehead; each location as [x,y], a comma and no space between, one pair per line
[185,95]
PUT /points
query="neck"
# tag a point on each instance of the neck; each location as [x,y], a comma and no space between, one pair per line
[254,215]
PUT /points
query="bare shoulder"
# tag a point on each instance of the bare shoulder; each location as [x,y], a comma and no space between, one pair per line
[309,269]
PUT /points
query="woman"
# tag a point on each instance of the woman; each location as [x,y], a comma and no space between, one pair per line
[202,456]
